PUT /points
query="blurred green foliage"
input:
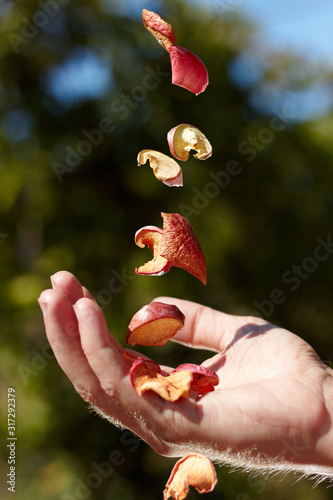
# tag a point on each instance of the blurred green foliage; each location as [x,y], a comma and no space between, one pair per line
[79,211]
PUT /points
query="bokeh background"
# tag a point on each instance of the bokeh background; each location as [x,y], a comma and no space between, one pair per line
[76,106]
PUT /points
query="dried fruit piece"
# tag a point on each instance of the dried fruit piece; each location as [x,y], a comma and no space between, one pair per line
[129,357]
[203,380]
[147,377]
[165,168]
[187,69]
[141,371]
[184,138]
[181,247]
[159,28]
[192,470]
[152,237]
[175,245]
[154,324]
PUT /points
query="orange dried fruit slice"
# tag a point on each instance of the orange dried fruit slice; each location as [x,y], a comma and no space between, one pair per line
[154,324]
[147,377]
[204,380]
[176,245]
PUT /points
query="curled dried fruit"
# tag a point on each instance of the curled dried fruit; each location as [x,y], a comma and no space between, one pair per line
[152,237]
[203,380]
[175,245]
[147,377]
[192,470]
[128,357]
[184,138]
[159,28]
[165,168]
[141,371]
[188,70]
[154,324]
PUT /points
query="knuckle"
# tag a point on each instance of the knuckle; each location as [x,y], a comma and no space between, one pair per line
[87,395]
[109,388]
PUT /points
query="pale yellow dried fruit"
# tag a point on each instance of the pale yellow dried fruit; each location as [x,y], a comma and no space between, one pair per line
[184,138]
[166,169]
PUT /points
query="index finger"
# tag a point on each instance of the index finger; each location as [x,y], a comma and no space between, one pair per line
[206,328]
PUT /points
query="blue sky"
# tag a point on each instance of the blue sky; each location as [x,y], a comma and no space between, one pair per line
[297,26]
[300,27]
[304,26]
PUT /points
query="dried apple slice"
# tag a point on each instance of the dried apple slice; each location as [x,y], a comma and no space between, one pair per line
[175,245]
[147,377]
[203,380]
[166,169]
[159,28]
[128,357]
[141,371]
[181,247]
[154,324]
[192,470]
[184,138]
[188,70]
[152,237]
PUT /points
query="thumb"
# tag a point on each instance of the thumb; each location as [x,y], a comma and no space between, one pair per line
[206,328]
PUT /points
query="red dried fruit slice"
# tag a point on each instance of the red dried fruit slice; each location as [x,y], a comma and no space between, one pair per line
[154,324]
[185,137]
[175,245]
[204,380]
[146,377]
[192,470]
[181,247]
[188,70]
[165,168]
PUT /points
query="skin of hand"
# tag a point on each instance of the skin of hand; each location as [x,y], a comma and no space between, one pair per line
[272,409]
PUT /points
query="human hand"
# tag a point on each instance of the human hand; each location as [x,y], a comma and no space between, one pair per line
[273,407]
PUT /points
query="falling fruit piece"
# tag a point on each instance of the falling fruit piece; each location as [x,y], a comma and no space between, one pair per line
[192,470]
[147,377]
[188,70]
[175,245]
[203,380]
[181,247]
[159,28]
[184,138]
[154,324]
[152,237]
[166,169]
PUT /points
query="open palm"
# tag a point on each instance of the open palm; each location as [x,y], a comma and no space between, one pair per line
[272,407]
